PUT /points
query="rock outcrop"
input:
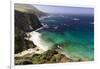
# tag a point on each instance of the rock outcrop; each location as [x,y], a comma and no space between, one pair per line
[50,56]
[24,22]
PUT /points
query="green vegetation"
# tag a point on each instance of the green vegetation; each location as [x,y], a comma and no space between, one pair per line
[50,56]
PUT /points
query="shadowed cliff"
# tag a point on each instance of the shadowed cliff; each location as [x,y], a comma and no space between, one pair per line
[24,22]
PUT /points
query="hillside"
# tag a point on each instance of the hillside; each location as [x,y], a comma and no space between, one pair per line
[29,9]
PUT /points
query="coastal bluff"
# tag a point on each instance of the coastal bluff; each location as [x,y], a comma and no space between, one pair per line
[25,22]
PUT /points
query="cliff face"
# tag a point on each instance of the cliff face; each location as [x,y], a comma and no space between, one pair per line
[24,22]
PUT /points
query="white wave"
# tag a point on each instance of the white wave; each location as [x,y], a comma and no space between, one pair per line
[36,38]
[56,27]
[76,19]
[42,18]
[45,25]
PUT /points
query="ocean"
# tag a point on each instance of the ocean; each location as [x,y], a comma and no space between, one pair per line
[73,33]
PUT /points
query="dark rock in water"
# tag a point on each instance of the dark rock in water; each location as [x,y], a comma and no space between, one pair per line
[26,21]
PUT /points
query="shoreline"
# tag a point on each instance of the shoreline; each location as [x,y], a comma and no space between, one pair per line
[35,38]
[41,48]
[49,56]
[35,50]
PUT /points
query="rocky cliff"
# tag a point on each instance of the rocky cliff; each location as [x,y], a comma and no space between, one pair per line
[24,22]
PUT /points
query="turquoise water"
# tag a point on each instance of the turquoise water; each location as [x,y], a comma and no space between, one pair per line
[75,37]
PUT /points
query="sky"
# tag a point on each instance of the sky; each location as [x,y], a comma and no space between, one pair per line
[65,9]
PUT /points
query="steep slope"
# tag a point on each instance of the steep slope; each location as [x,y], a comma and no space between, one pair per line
[24,22]
[28,8]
